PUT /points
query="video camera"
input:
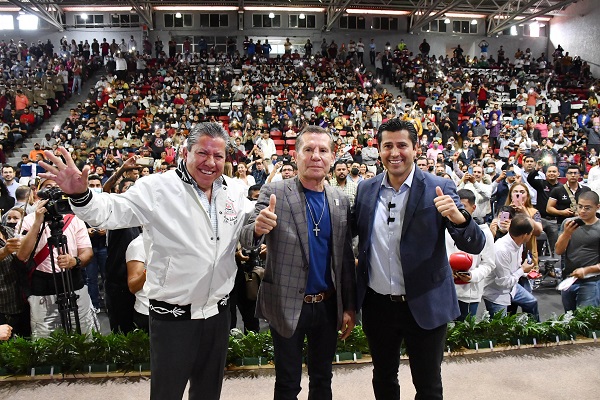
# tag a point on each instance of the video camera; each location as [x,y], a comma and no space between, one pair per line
[58,203]
[254,259]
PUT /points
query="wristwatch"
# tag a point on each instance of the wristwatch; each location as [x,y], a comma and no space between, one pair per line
[467,216]
[77,262]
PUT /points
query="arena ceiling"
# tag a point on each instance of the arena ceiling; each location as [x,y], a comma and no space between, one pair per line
[500,14]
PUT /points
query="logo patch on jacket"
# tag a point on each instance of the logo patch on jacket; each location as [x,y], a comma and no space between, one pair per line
[230,215]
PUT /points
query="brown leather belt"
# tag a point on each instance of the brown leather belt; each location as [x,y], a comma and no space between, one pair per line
[319,297]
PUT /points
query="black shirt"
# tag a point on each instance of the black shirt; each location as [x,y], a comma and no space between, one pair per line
[543,189]
[563,200]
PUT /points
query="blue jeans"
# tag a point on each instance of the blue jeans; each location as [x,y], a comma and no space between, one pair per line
[466,309]
[494,308]
[76,84]
[97,265]
[581,294]
[527,302]
[522,298]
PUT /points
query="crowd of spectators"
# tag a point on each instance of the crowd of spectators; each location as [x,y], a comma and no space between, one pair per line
[34,82]
[485,123]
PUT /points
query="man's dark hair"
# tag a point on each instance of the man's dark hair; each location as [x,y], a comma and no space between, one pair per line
[395,125]
[94,177]
[339,162]
[520,225]
[291,164]
[574,166]
[468,195]
[8,166]
[252,189]
[526,157]
[123,182]
[589,195]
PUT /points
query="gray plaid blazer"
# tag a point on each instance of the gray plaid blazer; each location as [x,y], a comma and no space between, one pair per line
[281,293]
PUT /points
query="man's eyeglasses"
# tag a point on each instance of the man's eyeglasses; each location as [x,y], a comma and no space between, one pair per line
[585,208]
[573,173]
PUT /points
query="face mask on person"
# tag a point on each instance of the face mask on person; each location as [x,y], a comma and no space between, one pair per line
[354,171]
[11,224]
[489,170]
[430,168]
[96,190]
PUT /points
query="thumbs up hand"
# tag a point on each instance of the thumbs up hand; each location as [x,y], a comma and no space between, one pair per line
[446,206]
[266,219]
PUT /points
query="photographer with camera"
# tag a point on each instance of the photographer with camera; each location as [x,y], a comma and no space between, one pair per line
[579,241]
[48,284]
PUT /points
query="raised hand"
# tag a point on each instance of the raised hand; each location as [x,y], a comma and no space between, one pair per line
[66,175]
[266,219]
[447,208]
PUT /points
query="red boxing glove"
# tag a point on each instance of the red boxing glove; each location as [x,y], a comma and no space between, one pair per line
[460,262]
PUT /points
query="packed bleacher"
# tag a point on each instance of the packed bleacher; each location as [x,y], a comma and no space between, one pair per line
[479,120]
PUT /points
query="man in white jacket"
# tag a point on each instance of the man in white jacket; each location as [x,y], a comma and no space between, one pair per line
[470,291]
[192,217]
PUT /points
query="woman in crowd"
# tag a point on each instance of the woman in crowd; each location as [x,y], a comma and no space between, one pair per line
[518,201]
[242,175]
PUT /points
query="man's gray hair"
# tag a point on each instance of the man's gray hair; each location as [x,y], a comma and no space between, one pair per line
[211,129]
[314,129]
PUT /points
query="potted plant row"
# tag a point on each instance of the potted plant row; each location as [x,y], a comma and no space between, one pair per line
[521,329]
[73,354]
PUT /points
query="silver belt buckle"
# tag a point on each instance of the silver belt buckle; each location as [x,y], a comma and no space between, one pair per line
[313,298]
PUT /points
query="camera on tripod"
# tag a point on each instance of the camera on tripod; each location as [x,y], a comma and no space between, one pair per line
[57,205]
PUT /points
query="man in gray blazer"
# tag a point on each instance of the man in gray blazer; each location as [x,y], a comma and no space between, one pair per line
[308,289]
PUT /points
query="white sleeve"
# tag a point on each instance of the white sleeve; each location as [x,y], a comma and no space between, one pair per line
[116,211]
[135,250]
[487,259]
[505,277]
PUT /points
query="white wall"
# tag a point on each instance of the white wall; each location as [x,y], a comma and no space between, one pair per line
[441,44]
[577,30]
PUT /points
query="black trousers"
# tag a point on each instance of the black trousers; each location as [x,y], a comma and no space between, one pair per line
[247,307]
[318,322]
[119,305]
[20,323]
[387,324]
[193,350]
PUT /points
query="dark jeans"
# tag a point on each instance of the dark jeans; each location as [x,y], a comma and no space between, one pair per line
[193,350]
[551,229]
[387,324]
[96,266]
[466,309]
[318,322]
